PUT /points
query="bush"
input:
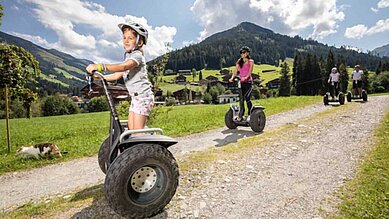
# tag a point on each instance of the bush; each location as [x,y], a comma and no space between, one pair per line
[380,82]
[207,98]
[16,109]
[98,104]
[256,92]
[158,110]
[170,101]
[123,108]
[57,105]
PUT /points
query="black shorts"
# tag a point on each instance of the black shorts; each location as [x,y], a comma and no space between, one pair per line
[357,84]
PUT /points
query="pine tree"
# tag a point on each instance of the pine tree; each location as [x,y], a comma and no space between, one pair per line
[343,74]
[297,72]
[343,77]
[285,85]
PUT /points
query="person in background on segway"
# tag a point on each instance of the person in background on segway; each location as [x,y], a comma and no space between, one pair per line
[357,77]
[245,66]
[133,71]
[333,80]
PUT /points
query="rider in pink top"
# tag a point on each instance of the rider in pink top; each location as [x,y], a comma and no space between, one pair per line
[245,72]
[245,66]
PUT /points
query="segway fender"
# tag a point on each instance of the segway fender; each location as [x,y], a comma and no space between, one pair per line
[234,107]
[163,140]
[257,107]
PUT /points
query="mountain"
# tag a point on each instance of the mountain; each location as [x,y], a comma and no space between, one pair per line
[382,51]
[221,49]
[60,71]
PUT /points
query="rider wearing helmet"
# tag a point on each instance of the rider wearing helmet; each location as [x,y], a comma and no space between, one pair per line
[357,77]
[333,80]
[244,66]
[133,71]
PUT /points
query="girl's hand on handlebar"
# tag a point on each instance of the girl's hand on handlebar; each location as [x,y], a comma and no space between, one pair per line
[231,79]
[91,67]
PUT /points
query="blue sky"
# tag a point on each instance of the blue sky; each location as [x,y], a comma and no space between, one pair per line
[87,29]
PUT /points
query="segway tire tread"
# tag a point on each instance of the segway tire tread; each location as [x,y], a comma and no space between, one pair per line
[229,120]
[122,169]
[257,120]
[103,154]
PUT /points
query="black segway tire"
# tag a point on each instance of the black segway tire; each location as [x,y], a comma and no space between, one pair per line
[257,120]
[229,119]
[103,154]
[348,96]
[364,96]
[141,181]
[325,100]
[341,99]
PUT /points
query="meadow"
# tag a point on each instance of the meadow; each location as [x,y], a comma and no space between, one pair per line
[80,135]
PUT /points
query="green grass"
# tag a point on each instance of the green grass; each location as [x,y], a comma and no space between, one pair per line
[44,77]
[367,195]
[81,134]
[66,74]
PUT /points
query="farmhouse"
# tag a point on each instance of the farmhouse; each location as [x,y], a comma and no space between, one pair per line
[273,84]
[211,78]
[228,98]
[184,72]
[184,94]
[180,79]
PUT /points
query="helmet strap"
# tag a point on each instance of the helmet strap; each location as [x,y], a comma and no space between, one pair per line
[136,43]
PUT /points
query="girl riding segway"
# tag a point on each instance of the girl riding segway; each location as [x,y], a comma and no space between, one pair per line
[245,67]
[235,115]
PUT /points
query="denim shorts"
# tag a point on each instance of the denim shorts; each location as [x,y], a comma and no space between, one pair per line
[142,105]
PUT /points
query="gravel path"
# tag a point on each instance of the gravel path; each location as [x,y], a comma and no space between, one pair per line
[292,175]
[20,187]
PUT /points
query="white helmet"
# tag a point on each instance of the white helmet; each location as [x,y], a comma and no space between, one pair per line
[138,28]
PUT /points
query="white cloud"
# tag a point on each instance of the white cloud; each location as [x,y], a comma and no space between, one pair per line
[102,41]
[375,10]
[284,16]
[35,39]
[383,4]
[360,30]
[356,32]
[14,7]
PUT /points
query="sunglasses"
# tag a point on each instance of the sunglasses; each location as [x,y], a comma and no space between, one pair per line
[243,52]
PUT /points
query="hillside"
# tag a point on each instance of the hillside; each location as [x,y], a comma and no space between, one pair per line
[60,71]
[221,49]
[382,51]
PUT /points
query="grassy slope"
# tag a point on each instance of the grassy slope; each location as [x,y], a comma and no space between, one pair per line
[81,135]
[44,77]
[367,195]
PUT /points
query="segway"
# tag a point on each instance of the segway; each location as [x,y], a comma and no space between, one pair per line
[256,120]
[338,99]
[362,97]
[141,173]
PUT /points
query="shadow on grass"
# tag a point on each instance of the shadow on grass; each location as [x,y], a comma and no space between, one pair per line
[99,207]
[233,135]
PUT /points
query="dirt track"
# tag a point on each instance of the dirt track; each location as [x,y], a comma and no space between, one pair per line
[289,177]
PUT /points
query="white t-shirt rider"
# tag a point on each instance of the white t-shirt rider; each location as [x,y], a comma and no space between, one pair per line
[334,77]
[357,75]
